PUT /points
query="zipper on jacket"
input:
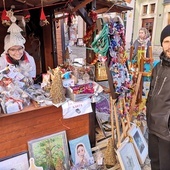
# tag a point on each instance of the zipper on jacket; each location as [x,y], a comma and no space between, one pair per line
[155,85]
[162,85]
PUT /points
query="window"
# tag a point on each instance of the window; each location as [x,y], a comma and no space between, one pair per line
[145,8]
[152,8]
[168,17]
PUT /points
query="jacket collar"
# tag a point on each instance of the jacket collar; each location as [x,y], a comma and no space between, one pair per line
[165,60]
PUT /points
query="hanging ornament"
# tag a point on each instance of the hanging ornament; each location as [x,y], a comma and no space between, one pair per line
[4,17]
[26,13]
[93,15]
[43,19]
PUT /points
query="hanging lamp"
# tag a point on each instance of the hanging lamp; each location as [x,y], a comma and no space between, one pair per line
[4,17]
[43,19]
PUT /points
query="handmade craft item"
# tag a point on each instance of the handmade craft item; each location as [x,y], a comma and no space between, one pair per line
[4,17]
[33,166]
[110,156]
[43,19]
[57,90]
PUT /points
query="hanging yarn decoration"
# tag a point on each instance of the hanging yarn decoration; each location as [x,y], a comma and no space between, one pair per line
[100,44]
[43,19]
[118,68]
[4,17]
[89,34]
[93,15]
[90,30]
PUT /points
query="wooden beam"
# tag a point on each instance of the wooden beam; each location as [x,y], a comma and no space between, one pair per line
[82,5]
[102,10]
[82,12]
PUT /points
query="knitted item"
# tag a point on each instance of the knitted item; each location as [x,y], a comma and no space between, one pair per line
[165,33]
[15,37]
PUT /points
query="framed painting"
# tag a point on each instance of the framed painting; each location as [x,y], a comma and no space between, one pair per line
[18,162]
[139,142]
[81,152]
[127,156]
[50,152]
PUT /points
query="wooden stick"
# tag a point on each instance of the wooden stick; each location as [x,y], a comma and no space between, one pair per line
[134,96]
[112,118]
[127,114]
[117,126]
[131,52]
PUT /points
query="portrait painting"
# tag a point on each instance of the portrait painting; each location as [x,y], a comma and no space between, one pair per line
[81,152]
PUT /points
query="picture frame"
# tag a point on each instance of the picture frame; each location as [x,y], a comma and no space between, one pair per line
[139,142]
[81,158]
[18,161]
[50,152]
[127,156]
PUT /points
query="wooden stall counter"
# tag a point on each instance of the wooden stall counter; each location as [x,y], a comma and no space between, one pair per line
[17,129]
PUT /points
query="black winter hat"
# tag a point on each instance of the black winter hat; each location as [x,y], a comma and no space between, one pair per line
[165,33]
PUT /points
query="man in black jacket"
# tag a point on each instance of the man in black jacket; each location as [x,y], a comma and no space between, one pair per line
[158,108]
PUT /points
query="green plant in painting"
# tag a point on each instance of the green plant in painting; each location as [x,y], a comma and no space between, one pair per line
[49,153]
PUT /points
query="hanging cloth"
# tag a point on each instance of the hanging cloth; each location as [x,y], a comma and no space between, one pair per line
[100,44]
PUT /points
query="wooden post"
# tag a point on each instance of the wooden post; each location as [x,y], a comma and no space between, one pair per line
[141,69]
[112,118]
[134,96]
[131,52]
[150,52]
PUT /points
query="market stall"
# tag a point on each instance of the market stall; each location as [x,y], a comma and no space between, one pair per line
[34,122]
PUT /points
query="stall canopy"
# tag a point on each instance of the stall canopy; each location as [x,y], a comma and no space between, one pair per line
[62,5]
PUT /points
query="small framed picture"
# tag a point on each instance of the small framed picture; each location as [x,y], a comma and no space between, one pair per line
[81,152]
[18,162]
[139,142]
[50,152]
[127,156]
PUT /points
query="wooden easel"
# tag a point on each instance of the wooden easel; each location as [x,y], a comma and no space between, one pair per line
[115,125]
[141,59]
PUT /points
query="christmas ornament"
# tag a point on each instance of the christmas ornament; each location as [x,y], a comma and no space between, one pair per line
[43,19]
[4,17]
[57,90]
[110,156]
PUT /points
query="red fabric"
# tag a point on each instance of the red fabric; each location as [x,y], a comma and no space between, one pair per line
[4,15]
[24,58]
[42,17]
